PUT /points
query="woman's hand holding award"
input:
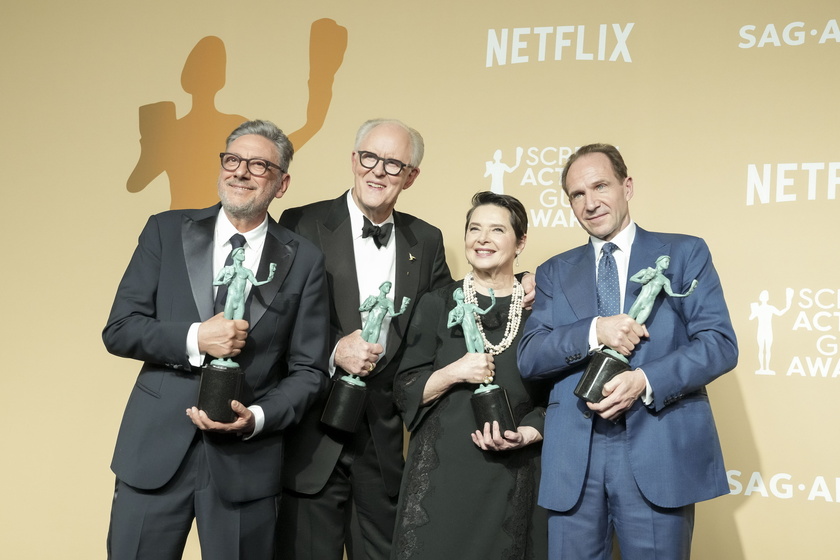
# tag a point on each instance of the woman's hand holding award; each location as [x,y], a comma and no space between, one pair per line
[489,402]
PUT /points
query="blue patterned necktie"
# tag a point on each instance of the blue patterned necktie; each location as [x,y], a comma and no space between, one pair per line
[237,240]
[609,295]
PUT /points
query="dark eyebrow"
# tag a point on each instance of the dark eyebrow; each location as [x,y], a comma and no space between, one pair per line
[490,225]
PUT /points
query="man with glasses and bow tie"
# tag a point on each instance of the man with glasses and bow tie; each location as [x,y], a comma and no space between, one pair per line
[172,462]
[329,473]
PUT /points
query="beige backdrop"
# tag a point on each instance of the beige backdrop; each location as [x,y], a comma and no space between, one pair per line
[726,113]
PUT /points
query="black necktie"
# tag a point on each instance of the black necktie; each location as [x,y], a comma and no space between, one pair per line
[237,240]
[609,295]
[380,234]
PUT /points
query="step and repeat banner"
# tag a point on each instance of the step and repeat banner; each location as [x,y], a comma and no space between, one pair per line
[726,113]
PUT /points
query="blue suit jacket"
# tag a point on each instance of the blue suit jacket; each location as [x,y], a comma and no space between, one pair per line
[674,450]
[167,286]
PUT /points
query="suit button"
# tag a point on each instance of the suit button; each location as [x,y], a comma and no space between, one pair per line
[587,414]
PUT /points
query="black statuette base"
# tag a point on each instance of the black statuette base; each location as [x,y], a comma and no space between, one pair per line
[345,405]
[218,387]
[493,405]
[601,368]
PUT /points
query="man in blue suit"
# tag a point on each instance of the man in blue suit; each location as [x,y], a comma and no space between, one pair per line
[635,463]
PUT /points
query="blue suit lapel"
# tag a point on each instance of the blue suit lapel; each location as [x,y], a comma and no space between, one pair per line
[577,281]
[646,249]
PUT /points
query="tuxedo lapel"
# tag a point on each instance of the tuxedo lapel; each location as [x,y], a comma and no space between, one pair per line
[336,241]
[277,252]
[409,263]
[197,241]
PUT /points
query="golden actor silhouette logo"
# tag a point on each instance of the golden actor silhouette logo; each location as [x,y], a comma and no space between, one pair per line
[187,149]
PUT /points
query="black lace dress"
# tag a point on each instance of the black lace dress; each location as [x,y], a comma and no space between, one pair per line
[456,500]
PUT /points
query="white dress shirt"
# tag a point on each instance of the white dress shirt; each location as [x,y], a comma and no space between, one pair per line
[624,241]
[373,266]
[254,242]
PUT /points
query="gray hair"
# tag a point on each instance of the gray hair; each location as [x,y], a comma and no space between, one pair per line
[414,137]
[269,130]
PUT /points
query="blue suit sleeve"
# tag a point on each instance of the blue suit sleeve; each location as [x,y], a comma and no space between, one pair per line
[703,345]
[554,340]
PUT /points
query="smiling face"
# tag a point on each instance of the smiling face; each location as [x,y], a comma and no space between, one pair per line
[599,199]
[374,191]
[246,197]
[490,243]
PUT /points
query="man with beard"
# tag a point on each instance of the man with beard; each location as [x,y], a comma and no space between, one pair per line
[173,467]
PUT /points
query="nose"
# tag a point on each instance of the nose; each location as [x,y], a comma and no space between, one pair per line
[379,168]
[592,201]
[242,169]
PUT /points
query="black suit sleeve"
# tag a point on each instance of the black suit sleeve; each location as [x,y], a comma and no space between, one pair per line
[290,218]
[441,276]
[308,351]
[137,328]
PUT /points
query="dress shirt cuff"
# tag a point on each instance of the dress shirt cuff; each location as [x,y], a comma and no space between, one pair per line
[593,337]
[332,362]
[259,420]
[194,355]
[647,397]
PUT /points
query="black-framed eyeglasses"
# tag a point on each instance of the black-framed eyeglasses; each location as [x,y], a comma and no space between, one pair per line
[256,166]
[369,160]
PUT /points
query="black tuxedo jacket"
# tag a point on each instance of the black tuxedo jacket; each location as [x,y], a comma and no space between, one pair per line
[313,450]
[167,287]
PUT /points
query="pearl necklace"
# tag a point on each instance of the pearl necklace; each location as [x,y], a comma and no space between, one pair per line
[514,315]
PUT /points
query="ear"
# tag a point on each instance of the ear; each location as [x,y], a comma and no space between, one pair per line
[520,246]
[412,176]
[628,188]
[283,186]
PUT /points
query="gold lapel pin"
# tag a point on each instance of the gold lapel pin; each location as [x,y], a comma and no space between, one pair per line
[411,257]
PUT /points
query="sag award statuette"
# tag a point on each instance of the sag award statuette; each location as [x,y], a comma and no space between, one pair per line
[221,379]
[607,363]
[346,402]
[489,402]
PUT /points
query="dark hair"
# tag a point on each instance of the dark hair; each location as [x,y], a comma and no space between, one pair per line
[518,215]
[267,129]
[619,168]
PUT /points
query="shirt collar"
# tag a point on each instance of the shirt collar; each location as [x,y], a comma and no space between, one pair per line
[624,240]
[225,229]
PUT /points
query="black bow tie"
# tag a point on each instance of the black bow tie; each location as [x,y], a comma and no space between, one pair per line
[380,234]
